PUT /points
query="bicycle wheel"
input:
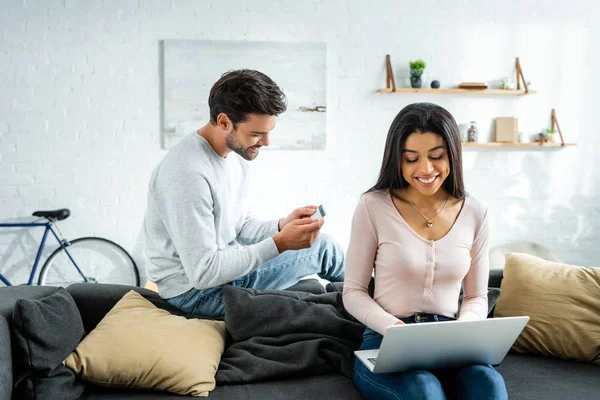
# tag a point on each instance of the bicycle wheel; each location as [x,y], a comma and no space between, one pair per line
[98,259]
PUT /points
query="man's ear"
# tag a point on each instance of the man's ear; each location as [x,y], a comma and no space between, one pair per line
[224,122]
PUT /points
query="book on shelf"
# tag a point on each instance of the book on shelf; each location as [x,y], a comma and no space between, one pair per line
[473,85]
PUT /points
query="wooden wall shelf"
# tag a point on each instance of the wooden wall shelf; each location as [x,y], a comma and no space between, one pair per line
[513,145]
[458,91]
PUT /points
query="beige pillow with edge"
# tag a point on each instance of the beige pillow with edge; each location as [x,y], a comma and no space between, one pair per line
[138,345]
[563,302]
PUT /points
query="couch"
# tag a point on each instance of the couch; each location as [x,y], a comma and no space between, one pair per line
[527,377]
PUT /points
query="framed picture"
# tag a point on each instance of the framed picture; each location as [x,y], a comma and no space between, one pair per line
[191,67]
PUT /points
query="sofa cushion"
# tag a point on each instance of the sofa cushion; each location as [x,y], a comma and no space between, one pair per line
[5,360]
[563,304]
[10,295]
[495,278]
[137,345]
[95,300]
[45,331]
[530,377]
[327,386]
[8,298]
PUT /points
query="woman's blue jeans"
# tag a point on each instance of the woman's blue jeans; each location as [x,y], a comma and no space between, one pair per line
[474,382]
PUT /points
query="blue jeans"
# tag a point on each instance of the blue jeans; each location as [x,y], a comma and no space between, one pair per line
[474,382]
[324,258]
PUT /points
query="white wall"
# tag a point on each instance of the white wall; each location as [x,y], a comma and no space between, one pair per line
[80,108]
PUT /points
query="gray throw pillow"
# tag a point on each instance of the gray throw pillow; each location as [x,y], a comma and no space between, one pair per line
[45,331]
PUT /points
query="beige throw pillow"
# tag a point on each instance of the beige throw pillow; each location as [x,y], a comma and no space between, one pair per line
[563,302]
[138,345]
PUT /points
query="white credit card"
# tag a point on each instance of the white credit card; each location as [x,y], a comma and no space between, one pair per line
[320,213]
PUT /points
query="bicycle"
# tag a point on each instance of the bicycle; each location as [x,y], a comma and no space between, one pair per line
[100,260]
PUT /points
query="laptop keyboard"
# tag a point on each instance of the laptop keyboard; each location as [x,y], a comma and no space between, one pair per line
[372,359]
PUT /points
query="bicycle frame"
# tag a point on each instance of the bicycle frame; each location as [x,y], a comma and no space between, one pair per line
[48,226]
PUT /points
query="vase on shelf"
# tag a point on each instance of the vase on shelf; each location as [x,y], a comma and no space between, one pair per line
[415,82]
[473,132]
[551,135]
[416,70]
[463,129]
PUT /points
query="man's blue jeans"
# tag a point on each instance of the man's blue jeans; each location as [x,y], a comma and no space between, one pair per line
[475,382]
[324,258]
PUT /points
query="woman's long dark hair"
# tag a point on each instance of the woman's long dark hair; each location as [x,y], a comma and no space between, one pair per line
[421,118]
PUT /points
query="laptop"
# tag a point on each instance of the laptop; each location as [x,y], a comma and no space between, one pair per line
[443,344]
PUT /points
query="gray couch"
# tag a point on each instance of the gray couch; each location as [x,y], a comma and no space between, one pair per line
[527,377]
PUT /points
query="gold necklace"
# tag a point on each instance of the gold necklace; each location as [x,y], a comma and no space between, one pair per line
[429,220]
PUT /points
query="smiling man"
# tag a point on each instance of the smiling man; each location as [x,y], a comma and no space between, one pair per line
[199,235]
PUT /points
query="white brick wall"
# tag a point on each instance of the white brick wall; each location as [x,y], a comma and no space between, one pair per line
[79,110]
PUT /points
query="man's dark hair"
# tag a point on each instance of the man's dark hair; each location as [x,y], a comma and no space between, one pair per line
[421,118]
[242,92]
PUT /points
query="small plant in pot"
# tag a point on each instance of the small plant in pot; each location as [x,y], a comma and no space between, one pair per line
[416,70]
[550,135]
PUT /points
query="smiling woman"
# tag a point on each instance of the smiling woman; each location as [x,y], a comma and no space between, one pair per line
[420,266]
[424,138]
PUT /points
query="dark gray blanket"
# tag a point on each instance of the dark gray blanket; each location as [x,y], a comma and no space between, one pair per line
[281,334]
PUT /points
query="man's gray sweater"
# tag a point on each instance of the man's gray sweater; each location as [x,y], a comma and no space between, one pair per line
[197,227]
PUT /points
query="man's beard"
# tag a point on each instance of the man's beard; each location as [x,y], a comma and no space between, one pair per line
[234,144]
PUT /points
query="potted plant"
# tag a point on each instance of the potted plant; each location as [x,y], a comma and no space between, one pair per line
[550,134]
[416,70]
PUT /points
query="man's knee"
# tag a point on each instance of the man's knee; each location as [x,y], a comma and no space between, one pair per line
[332,258]
[327,241]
